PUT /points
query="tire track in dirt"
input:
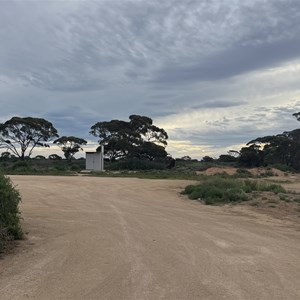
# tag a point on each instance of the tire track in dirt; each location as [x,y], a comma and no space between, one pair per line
[116,238]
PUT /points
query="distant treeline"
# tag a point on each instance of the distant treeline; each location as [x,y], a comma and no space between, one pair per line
[281,150]
[126,142]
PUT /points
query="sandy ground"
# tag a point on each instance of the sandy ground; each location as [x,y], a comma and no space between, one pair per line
[232,171]
[116,238]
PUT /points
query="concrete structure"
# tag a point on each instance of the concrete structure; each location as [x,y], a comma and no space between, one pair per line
[94,160]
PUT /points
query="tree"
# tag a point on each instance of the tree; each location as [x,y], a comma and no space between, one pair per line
[227,158]
[21,134]
[70,145]
[186,158]
[5,155]
[234,153]
[147,131]
[150,151]
[40,157]
[251,156]
[136,138]
[207,159]
[117,136]
[297,115]
[282,148]
[54,157]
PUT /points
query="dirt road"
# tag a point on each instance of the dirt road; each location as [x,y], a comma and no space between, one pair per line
[113,238]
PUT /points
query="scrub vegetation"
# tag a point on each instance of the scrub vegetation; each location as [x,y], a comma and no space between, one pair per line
[216,190]
[10,227]
[138,144]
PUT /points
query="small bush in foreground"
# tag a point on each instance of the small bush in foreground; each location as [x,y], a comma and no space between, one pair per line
[9,213]
[225,190]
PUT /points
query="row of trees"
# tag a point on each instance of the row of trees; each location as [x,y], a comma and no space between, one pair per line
[138,137]
[283,148]
[20,136]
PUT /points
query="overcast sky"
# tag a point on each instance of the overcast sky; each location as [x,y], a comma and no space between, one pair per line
[214,74]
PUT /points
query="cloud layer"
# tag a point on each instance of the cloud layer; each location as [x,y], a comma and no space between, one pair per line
[215,74]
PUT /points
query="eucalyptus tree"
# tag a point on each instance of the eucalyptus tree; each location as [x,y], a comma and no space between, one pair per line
[70,145]
[283,148]
[21,135]
[137,137]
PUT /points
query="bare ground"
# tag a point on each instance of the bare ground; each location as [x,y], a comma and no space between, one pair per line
[115,238]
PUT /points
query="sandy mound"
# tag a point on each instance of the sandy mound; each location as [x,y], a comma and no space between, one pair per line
[232,171]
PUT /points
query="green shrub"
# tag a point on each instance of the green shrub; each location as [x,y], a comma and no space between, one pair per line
[235,195]
[189,189]
[222,175]
[60,168]
[217,190]
[136,164]
[20,165]
[282,167]
[75,168]
[243,173]
[9,213]
[276,188]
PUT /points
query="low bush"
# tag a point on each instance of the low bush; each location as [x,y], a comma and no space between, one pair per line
[275,188]
[21,165]
[10,227]
[136,164]
[222,175]
[243,173]
[216,190]
[282,167]
[74,167]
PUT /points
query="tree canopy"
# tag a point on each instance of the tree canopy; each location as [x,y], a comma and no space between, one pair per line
[147,131]
[282,149]
[19,135]
[70,145]
[136,138]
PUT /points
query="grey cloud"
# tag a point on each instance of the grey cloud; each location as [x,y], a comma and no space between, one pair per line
[215,139]
[221,133]
[73,121]
[3,82]
[79,62]
[264,35]
[60,81]
[218,104]
[233,61]
[81,44]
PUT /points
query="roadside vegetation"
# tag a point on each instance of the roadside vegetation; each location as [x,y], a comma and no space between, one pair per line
[135,144]
[10,228]
[130,167]
[41,166]
[217,190]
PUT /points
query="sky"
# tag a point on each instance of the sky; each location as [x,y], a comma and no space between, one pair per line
[214,74]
